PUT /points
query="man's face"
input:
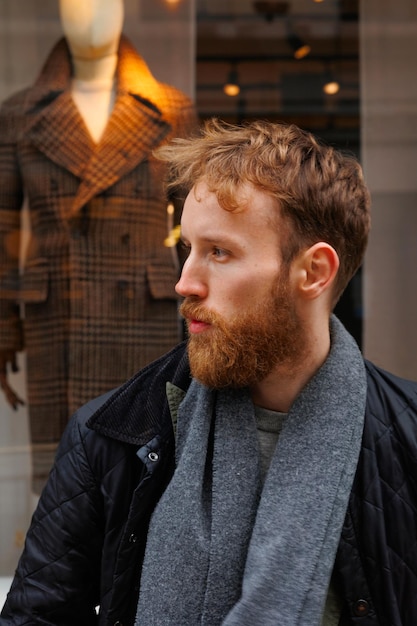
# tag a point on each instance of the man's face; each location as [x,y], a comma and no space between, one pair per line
[240,310]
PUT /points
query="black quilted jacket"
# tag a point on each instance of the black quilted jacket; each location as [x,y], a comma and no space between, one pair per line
[86,541]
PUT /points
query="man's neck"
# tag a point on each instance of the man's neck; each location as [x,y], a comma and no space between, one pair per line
[281,387]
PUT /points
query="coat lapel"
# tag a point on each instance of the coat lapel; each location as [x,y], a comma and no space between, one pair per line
[133,131]
[136,125]
[60,133]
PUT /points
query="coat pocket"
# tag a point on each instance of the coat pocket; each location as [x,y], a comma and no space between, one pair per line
[162,280]
[34,281]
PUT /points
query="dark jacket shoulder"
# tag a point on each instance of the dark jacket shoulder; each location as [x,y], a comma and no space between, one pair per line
[391,420]
[378,548]
[383,386]
[138,410]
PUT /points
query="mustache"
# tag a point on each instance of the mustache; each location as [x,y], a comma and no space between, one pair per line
[192,309]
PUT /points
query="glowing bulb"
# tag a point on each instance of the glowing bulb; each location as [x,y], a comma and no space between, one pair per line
[302,52]
[331,88]
[231,89]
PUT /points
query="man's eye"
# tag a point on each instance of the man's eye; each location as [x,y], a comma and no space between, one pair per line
[185,247]
[219,253]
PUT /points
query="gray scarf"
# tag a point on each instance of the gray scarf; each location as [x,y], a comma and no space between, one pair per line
[221,552]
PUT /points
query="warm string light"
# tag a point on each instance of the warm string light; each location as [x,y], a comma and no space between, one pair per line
[231,90]
[331,85]
[231,87]
[299,47]
[302,51]
[331,88]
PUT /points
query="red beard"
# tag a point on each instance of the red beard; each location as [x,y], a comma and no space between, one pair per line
[245,349]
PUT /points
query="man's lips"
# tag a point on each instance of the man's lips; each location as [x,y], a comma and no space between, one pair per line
[197,326]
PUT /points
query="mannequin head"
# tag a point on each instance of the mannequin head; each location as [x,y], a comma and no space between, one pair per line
[92,27]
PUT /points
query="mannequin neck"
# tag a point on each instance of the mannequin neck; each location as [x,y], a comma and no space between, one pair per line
[97,70]
[93,91]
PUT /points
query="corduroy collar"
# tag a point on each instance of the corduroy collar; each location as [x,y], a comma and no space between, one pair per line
[139,410]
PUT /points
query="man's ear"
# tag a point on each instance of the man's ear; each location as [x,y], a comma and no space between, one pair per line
[316,270]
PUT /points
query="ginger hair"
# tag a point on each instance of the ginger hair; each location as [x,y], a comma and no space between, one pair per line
[320,192]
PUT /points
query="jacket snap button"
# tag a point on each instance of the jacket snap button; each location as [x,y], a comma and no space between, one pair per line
[133,538]
[118,623]
[153,456]
[361,608]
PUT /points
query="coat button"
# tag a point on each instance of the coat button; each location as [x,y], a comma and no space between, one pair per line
[118,623]
[133,538]
[153,456]
[361,608]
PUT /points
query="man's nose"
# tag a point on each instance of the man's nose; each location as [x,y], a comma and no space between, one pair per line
[192,280]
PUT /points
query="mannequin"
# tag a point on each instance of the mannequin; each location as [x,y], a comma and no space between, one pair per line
[96,300]
[92,30]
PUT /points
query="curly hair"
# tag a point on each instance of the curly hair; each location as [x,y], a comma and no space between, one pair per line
[320,192]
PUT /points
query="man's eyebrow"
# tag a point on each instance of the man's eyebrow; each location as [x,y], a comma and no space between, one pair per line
[214,238]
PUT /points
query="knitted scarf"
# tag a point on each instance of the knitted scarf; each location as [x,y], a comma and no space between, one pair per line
[222,550]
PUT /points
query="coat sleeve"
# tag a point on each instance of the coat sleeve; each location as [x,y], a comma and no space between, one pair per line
[11,199]
[58,576]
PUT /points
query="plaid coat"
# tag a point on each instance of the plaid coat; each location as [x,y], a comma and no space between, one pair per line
[95,300]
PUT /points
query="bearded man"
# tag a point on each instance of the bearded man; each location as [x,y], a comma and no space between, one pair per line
[261,473]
